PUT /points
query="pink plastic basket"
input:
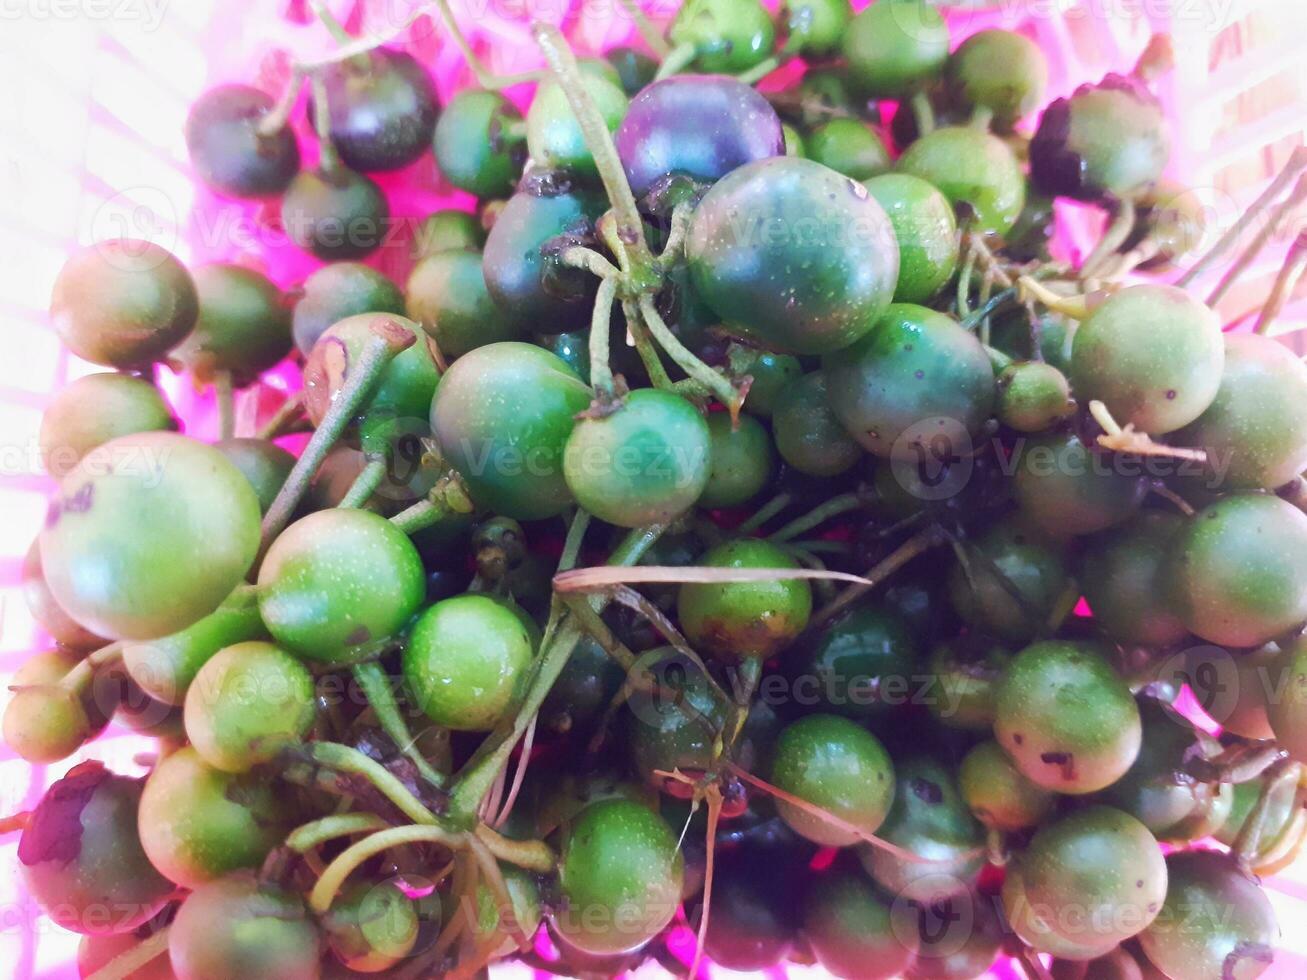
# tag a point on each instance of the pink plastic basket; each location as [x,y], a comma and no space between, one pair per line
[95,95]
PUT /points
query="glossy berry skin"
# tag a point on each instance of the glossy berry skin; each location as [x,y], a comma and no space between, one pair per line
[1238,571]
[1255,430]
[553,136]
[80,859]
[894,48]
[94,409]
[236,928]
[645,463]
[964,678]
[473,149]
[1002,71]
[165,667]
[741,461]
[917,377]
[700,126]
[1066,718]
[808,435]
[676,727]
[335,215]
[854,930]
[123,519]
[1216,920]
[122,303]
[926,230]
[1033,397]
[1065,488]
[248,702]
[382,114]
[1035,924]
[749,927]
[502,415]
[45,722]
[524,279]
[618,855]
[465,660]
[1103,862]
[816,288]
[737,620]
[1152,790]
[860,666]
[848,146]
[729,36]
[971,167]
[998,795]
[227,151]
[1152,354]
[338,580]
[45,609]
[243,326]
[833,764]
[265,464]
[448,230]
[371,927]
[1123,575]
[402,394]
[815,27]
[1106,140]
[928,817]
[1286,711]
[337,291]
[198,823]
[446,293]
[1033,565]
[770,373]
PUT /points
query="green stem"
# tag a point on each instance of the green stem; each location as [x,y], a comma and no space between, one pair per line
[364,485]
[981,117]
[310,835]
[419,516]
[561,637]
[761,70]
[765,513]
[534,855]
[964,282]
[484,76]
[222,390]
[597,138]
[593,624]
[678,228]
[128,962]
[320,898]
[291,411]
[1297,163]
[1123,222]
[644,346]
[342,758]
[388,340]
[918,544]
[601,371]
[1285,283]
[334,27]
[575,537]
[580,257]
[379,689]
[924,113]
[328,158]
[677,60]
[685,359]
[652,36]
[841,504]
